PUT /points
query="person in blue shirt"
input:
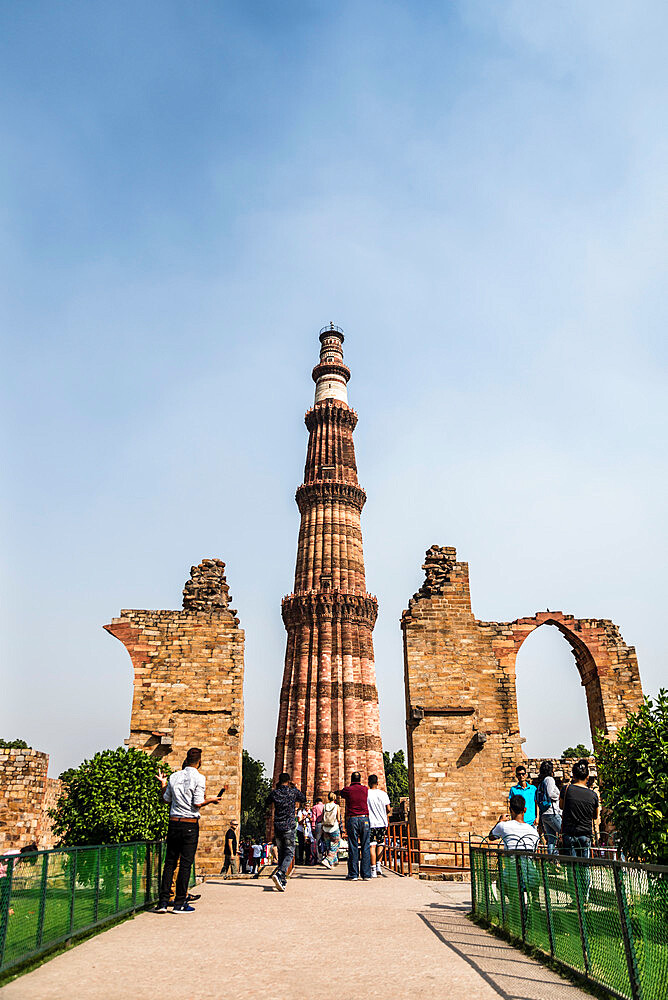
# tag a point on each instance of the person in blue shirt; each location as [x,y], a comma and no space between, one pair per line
[528,793]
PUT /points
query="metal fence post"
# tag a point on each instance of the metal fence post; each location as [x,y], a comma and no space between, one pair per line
[410,850]
[42,900]
[118,877]
[548,904]
[627,932]
[473,875]
[159,872]
[4,911]
[74,856]
[520,892]
[583,932]
[485,870]
[134,876]
[501,872]
[97,882]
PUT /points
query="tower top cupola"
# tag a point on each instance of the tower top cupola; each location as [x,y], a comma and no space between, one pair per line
[330,374]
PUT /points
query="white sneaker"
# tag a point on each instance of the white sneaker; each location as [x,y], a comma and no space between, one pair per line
[325,863]
[378,868]
[374,873]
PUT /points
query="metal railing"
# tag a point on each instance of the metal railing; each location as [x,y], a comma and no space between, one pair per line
[48,897]
[604,919]
[408,855]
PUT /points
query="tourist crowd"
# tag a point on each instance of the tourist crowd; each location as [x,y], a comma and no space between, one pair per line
[314,834]
[563,813]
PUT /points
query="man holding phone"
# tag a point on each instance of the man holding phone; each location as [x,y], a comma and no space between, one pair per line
[185,793]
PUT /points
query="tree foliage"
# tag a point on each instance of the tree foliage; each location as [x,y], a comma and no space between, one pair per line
[114,798]
[14,744]
[255,787]
[576,753]
[633,773]
[396,774]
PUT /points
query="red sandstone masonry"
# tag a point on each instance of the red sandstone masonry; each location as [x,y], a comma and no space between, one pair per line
[188,691]
[461,703]
[328,722]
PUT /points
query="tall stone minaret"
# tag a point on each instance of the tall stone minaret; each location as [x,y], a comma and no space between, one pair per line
[328,723]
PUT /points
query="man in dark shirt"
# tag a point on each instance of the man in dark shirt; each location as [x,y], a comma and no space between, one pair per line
[284,799]
[231,856]
[357,827]
[580,805]
[580,809]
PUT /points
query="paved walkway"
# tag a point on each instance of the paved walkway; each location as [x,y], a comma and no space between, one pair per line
[390,938]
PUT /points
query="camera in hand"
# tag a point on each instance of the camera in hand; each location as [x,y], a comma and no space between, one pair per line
[221,792]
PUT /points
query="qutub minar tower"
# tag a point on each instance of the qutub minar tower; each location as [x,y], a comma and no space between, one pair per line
[328,723]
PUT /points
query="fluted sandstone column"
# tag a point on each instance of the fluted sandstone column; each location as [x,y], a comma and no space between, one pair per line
[328,723]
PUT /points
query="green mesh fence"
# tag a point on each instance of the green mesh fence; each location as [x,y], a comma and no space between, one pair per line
[607,920]
[47,897]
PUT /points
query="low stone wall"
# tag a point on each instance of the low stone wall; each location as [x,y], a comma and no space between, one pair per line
[26,795]
[562,767]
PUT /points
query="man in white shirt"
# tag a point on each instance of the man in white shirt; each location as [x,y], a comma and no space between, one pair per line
[514,832]
[379,814]
[518,836]
[185,792]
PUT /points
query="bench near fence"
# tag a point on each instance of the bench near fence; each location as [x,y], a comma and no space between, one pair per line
[606,920]
[48,897]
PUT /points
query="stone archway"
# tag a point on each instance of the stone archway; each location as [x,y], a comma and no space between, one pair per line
[461,700]
[608,668]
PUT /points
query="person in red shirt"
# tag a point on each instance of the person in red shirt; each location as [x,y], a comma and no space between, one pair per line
[355,796]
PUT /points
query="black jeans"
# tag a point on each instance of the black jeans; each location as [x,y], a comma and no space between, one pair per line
[181,847]
[300,848]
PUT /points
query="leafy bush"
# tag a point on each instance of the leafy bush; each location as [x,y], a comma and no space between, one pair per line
[396,774]
[254,790]
[114,798]
[633,773]
[14,744]
[576,753]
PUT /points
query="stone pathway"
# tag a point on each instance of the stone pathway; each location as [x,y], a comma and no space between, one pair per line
[390,938]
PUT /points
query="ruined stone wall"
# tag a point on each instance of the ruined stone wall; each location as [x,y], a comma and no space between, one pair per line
[26,795]
[461,703]
[188,691]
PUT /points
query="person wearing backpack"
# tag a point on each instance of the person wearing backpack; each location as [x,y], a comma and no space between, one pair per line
[547,800]
[331,830]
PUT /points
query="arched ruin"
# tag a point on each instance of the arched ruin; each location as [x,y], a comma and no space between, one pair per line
[461,703]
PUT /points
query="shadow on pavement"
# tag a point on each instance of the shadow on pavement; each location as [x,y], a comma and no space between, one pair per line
[509,972]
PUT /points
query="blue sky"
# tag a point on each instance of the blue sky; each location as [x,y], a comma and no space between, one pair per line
[474,191]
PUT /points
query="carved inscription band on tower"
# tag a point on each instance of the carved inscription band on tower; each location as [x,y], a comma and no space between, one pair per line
[328,722]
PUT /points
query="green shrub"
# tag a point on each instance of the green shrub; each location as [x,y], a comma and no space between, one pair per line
[576,753]
[114,798]
[633,773]
[254,790]
[14,744]
[396,775]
